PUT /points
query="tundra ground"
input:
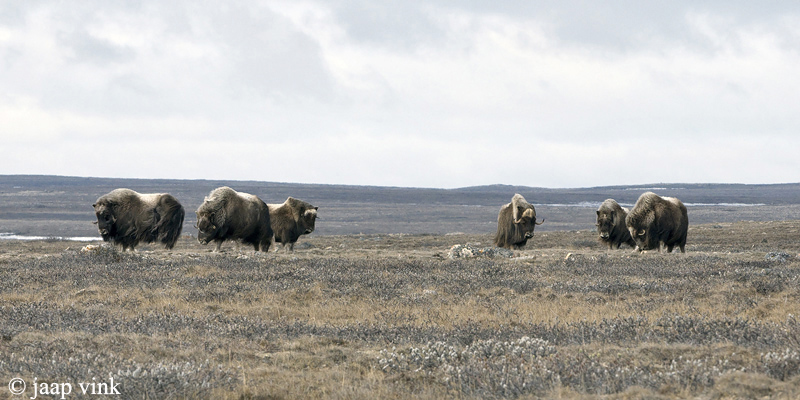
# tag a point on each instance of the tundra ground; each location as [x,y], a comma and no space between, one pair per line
[391,316]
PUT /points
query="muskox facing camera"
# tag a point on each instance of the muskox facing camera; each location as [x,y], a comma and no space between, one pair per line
[126,218]
[515,223]
[230,215]
[290,220]
[657,221]
[611,224]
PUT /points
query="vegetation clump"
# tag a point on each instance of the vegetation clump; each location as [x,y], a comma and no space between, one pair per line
[392,318]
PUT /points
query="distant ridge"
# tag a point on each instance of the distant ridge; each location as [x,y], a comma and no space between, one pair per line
[61,206]
[495,194]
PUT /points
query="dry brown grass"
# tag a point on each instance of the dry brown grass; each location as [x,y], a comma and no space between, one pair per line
[349,317]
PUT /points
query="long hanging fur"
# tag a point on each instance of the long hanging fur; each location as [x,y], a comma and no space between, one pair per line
[657,221]
[611,225]
[230,215]
[515,223]
[292,219]
[127,218]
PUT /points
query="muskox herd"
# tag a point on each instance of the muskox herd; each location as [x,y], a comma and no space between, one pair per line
[126,218]
[653,223]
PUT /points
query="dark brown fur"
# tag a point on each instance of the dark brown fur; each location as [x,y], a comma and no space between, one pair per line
[515,223]
[611,225]
[290,220]
[126,218]
[229,215]
[655,221]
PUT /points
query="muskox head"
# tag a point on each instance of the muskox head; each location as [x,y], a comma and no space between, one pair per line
[206,228]
[641,232]
[308,220]
[525,222]
[104,211]
[523,216]
[642,239]
[605,224]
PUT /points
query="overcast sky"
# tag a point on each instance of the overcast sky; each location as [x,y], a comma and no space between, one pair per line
[403,93]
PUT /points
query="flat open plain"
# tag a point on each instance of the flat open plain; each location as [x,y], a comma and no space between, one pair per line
[391,315]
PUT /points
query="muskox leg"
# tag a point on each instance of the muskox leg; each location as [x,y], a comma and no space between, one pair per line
[266,243]
[269,243]
[670,247]
[283,246]
[218,245]
[291,247]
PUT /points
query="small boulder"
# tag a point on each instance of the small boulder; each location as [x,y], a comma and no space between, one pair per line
[778,256]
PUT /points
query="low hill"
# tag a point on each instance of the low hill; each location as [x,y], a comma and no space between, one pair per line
[61,206]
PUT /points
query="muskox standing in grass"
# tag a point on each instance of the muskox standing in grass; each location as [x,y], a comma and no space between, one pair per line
[611,224]
[657,221]
[126,218]
[230,215]
[515,223]
[290,220]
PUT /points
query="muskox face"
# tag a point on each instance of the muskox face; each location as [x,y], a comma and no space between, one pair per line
[644,240]
[605,224]
[526,223]
[206,230]
[105,220]
[308,220]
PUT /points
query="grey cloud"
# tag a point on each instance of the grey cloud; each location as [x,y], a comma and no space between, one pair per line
[244,77]
[88,48]
[269,55]
[618,25]
[397,23]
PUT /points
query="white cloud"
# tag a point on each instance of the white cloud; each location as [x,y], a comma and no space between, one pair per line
[406,94]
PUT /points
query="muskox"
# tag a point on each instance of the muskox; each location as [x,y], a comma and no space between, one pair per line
[125,217]
[655,221]
[290,220]
[611,225]
[230,215]
[515,223]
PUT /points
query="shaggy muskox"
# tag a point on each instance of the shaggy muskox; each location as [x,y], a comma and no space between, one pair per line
[655,221]
[611,224]
[290,220]
[125,217]
[515,223]
[230,215]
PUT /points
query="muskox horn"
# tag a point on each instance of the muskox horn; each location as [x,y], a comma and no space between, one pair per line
[528,213]
[539,223]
